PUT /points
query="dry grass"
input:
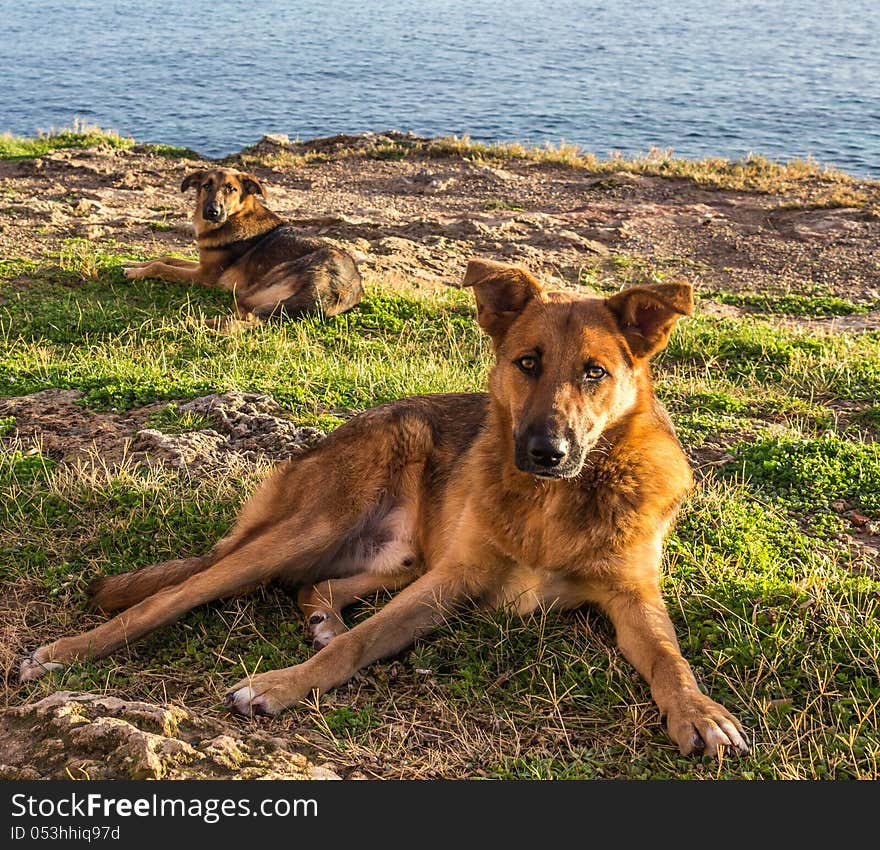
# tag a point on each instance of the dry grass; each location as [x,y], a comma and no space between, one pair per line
[753,173]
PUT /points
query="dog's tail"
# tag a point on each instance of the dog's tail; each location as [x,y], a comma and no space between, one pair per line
[115,593]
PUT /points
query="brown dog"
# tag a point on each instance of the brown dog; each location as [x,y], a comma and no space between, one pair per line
[554,489]
[272,270]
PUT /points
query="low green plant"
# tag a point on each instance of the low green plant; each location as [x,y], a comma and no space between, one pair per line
[80,135]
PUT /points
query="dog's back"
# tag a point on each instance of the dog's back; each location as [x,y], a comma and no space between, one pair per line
[292,275]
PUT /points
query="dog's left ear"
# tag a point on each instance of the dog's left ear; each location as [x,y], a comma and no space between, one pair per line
[502,293]
[647,314]
[251,185]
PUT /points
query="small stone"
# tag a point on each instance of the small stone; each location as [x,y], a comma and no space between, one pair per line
[281,139]
[323,773]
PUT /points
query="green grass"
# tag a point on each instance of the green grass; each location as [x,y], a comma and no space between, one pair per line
[79,136]
[170,420]
[790,304]
[810,475]
[500,204]
[127,344]
[754,355]
[171,151]
[777,613]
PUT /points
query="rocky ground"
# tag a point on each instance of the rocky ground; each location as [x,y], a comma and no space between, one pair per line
[84,736]
[414,220]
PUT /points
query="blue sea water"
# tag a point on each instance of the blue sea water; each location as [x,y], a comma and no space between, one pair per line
[702,77]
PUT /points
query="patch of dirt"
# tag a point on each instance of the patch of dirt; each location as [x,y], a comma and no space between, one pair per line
[53,423]
[71,735]
[418,220]
[854,323]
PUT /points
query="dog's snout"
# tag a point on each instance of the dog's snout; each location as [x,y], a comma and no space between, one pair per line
[212,212]
[547,450]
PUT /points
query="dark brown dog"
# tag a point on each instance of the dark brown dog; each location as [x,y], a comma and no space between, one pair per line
[554,489]
[273,271]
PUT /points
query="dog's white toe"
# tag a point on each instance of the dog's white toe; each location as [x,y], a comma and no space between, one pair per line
[246,701]
[32,669]
[240,700]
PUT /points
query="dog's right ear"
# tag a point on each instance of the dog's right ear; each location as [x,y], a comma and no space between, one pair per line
[502,293]
[192,179]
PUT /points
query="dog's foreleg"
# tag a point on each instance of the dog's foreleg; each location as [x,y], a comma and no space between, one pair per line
[415,611]
[181,271]
[167,260]
[646,637]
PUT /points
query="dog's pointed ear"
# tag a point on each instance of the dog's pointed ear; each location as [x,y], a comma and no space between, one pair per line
[250,185]
[192,179]
[502,293]
[647,314]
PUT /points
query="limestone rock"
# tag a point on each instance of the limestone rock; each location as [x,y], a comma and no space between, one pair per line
[82,735]
[246,426]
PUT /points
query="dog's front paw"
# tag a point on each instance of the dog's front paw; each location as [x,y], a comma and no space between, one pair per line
[268,693]
[248,702]
[701,726]
[135,272]
[33,668]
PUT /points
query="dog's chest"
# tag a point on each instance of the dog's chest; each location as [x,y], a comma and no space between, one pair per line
[551,531]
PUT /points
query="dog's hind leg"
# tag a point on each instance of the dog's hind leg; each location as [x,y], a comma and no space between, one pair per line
[115,593]
[254,562]
[325,281]
[296,520]
[322,604]
[295,544]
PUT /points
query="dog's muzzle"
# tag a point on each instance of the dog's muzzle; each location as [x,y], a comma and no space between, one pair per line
[214,214]
[548,455]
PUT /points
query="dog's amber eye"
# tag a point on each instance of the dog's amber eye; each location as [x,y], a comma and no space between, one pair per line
[527,364]
[230,189]
[594,372]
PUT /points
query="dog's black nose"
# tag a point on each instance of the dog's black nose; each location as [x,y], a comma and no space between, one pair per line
[211,213]
[546,450]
